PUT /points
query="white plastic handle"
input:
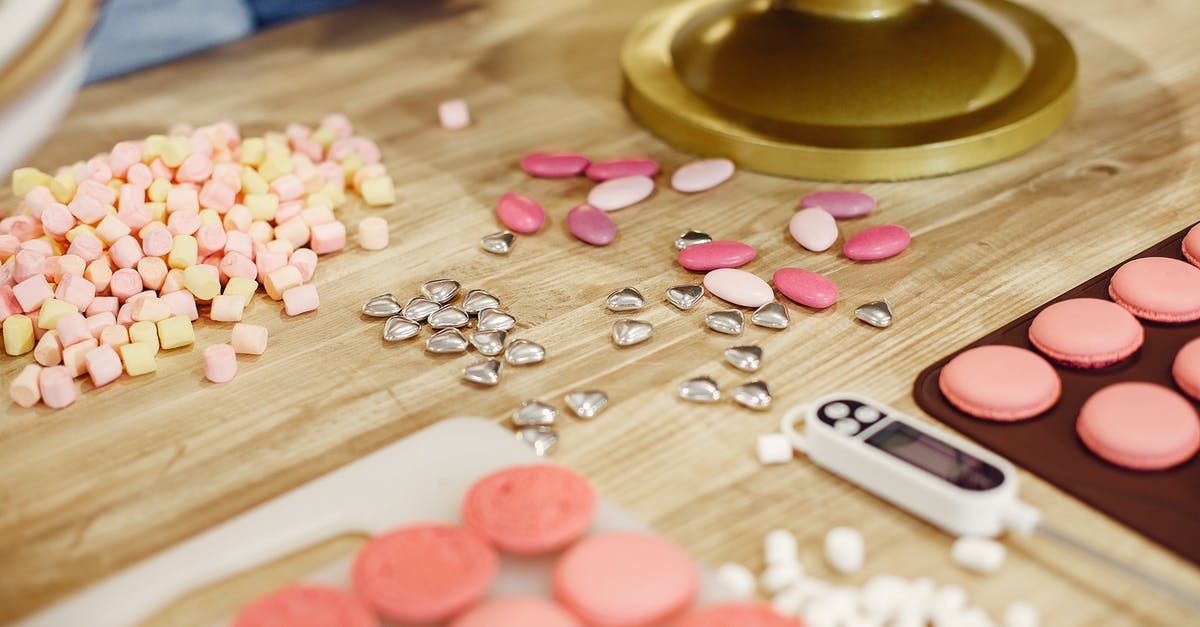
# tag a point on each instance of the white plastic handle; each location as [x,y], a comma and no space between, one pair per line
[788,425]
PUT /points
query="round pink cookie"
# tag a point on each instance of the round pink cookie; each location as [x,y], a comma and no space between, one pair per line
[530,510]
[306,605]
[1000,382]
[1137,425]
[1187,369]
[1086,333]
[424,573]
[737,615]
[1158,289]
[625,579]
[517,612]
[1191,246]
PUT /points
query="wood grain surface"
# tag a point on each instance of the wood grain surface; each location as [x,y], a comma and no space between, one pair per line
[144,463]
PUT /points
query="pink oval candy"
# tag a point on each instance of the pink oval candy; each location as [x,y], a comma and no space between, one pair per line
[554,165]
[619,193]
[877,242]
[698,176]
[591,225]
[841,203]
[716,254]
[620,167]
[520,213]
[805,287]
[813,229]
[738,287]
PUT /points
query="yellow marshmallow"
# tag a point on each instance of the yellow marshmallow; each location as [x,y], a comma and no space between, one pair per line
[115,184]
[152,147]
[209,216]
[201,283]
[379,191]
[351,164]
[177,148]
[25,179]
[62,187]
[276,165]
[183,252]
[138,357]
[253,182]
[324,136]
[261,206]
[18,334]
[174,332]
[158,211]
[144,332]
[335,193]
[254,150]
[80,228]
[157,192]
[52,310]
[241,286]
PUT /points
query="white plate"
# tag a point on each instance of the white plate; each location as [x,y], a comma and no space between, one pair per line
[28,119]
[20,22]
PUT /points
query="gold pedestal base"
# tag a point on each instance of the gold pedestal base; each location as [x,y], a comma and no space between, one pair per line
[928,89]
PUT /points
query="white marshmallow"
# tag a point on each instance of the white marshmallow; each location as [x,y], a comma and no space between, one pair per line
[790,601]
[779,576]
[844,549]
[975,617]
[779,546]
[1021,614]
[979,554]
[773,448]
[454,114]
[882,594]
[737,580]
[947,601]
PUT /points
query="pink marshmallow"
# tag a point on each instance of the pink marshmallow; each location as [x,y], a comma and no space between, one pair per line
[217,195]
[97,323]
[153,271]
[86,246]
[104,365]
[268,262]
[183,222]
[139,175]
[125,283]
[72,328]
[305,261]
[295,231]
[98,170]
[124,316]
[32,292]
[28,263]
[339,124]
[229,175]
[75,289]
[101,304]
[38,199]
[182,304]
[288,187]
[182,199]
[300,299]
[68,264]
[237,219]
[9,305]
[48,351]
[328,238]
[235,264]
[196,168]
[57,220]
[9,245]
[288,210]
[210,238]
[161,170]
[125,252]
[57,387]
[220,363]
[157,242]
[97,191]
[239,242]
[25,390]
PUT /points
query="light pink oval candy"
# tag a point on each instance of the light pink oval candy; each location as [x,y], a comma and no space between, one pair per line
[622,166]
[520,213]
[813,229]
[806,287]
[738,287]
[716,254]
[877,242]
[840,203]
[698,176]
[554,165]
[621,192]
[591,225]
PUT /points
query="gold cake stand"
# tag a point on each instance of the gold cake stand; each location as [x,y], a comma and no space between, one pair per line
[850,89]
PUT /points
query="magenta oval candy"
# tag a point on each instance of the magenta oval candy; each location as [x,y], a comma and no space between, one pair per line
[554,165]
[622,166]
[877,242]
[841,203]
[591,225]
[520,213]
[738,287]
[805,287]
[716,254]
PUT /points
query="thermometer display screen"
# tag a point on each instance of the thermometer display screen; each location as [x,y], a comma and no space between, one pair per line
[936,457]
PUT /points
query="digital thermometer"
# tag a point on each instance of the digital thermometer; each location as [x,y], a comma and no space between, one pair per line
[946,480]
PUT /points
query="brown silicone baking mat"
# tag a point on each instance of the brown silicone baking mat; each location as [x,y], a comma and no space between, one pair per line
[1165,505]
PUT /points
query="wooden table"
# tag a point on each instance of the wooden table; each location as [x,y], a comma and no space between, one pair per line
[145,463]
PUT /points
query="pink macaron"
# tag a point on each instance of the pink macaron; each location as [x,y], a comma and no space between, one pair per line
[1000,382]
[530,510]
[1191,246]
[517,612]
[305,605]
[1138,425]
[1086,333]
[1186,369]
[741,614]
[625,579]
[1158,289]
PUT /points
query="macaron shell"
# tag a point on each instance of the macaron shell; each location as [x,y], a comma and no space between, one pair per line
[625,579]
[737,615]
[1191,246]
[530,510]
[424,573]
[1158,289]
[1141,426]
[1000,382]
[306,605]
[1186,369]
[1086,333]
[517,612]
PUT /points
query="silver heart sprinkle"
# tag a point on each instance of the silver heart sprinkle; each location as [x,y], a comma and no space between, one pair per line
[448,317]
[586,403]
[748,358]
[630,332]
[534,414]
[495,320]
[497,243]
[876,314]
[685,296]
[486,372]
[691,238]
[440,291]
[755,395]
[382,306]
[625,299]
[700,390]
[418,309]
[446,341]
[524,352]
[400,328]
[772,316]
[489,343]
[478,300]
[728,321]
[542,439]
